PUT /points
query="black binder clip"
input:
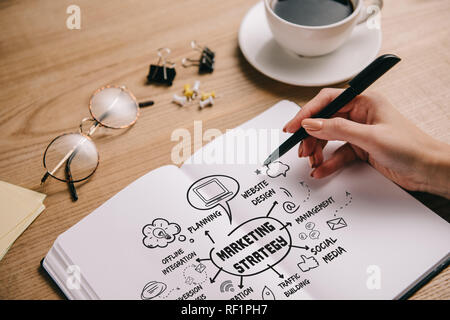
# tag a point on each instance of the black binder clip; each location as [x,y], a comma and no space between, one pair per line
[161,73]
[205,63]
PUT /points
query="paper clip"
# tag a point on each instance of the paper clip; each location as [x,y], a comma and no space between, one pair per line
[206,61]
[161,73]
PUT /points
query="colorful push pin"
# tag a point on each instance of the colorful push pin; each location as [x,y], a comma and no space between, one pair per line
[181,101]
[188,92]
[161,73]
[207,95]
[206,103]
[196,88]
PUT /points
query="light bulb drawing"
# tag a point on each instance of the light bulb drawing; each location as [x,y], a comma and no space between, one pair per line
[160,233]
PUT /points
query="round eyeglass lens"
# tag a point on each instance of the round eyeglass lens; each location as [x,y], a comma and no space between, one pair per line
[71,156]
[114,107]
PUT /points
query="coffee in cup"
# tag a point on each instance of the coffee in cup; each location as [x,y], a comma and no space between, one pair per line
[314,27]
[313,12]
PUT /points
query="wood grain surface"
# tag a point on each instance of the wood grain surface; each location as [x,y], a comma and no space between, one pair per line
[47,74]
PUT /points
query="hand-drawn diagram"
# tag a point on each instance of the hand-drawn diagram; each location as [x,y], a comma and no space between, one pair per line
[308,190]
[189,280]
[303,236]
[289,206]
[310,225]
[200,268]
[313,233]
[348,201]
[286,192]
[168,293]
[195,274]
[336,224]
[276,169]
[152,290]
[253,247]
[159,233]
[307,263]
[267,294]
[211,191]
[226,286]
[245,250]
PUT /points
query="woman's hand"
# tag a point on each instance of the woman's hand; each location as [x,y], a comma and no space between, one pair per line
[377,133]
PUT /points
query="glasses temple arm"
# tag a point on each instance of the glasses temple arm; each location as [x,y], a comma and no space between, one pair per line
[73,191]
[44,177]
[146,104]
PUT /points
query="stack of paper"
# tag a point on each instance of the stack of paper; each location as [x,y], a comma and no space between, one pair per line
[18,209]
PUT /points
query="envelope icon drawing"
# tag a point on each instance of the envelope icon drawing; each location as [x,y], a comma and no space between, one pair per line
[337,223]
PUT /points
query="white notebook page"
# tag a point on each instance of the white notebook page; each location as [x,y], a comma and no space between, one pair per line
[353,235]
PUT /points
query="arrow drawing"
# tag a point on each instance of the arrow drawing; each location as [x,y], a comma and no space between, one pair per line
[299,247]
[273,206]
[240,283]
[207,234]
[308,190]
[349,198]
[286,225]
[214,279]
[279,274]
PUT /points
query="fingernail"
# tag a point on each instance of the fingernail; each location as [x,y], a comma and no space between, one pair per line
[312,124]
[311,161]
[289,128]
[300,150]
[316,161]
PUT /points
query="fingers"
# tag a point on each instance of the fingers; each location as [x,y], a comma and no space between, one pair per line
[316,158]
[340,158]
[340,129]
[312,148]
[316,104]
[307,147]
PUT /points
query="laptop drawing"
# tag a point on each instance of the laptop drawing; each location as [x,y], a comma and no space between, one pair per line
[211,192]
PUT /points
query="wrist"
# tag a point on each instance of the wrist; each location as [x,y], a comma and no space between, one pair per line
[437,170]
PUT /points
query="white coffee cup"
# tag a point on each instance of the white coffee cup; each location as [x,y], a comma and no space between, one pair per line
[313,41]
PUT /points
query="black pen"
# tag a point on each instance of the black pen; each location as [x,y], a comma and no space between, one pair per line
[357,85]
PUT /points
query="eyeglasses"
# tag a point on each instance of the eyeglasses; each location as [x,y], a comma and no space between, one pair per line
[73,157]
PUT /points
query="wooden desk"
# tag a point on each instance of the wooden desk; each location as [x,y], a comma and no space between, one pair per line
[48,73]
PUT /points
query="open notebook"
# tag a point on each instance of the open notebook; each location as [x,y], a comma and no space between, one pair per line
[221,231]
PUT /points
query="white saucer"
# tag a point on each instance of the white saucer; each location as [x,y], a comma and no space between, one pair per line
[261,51]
